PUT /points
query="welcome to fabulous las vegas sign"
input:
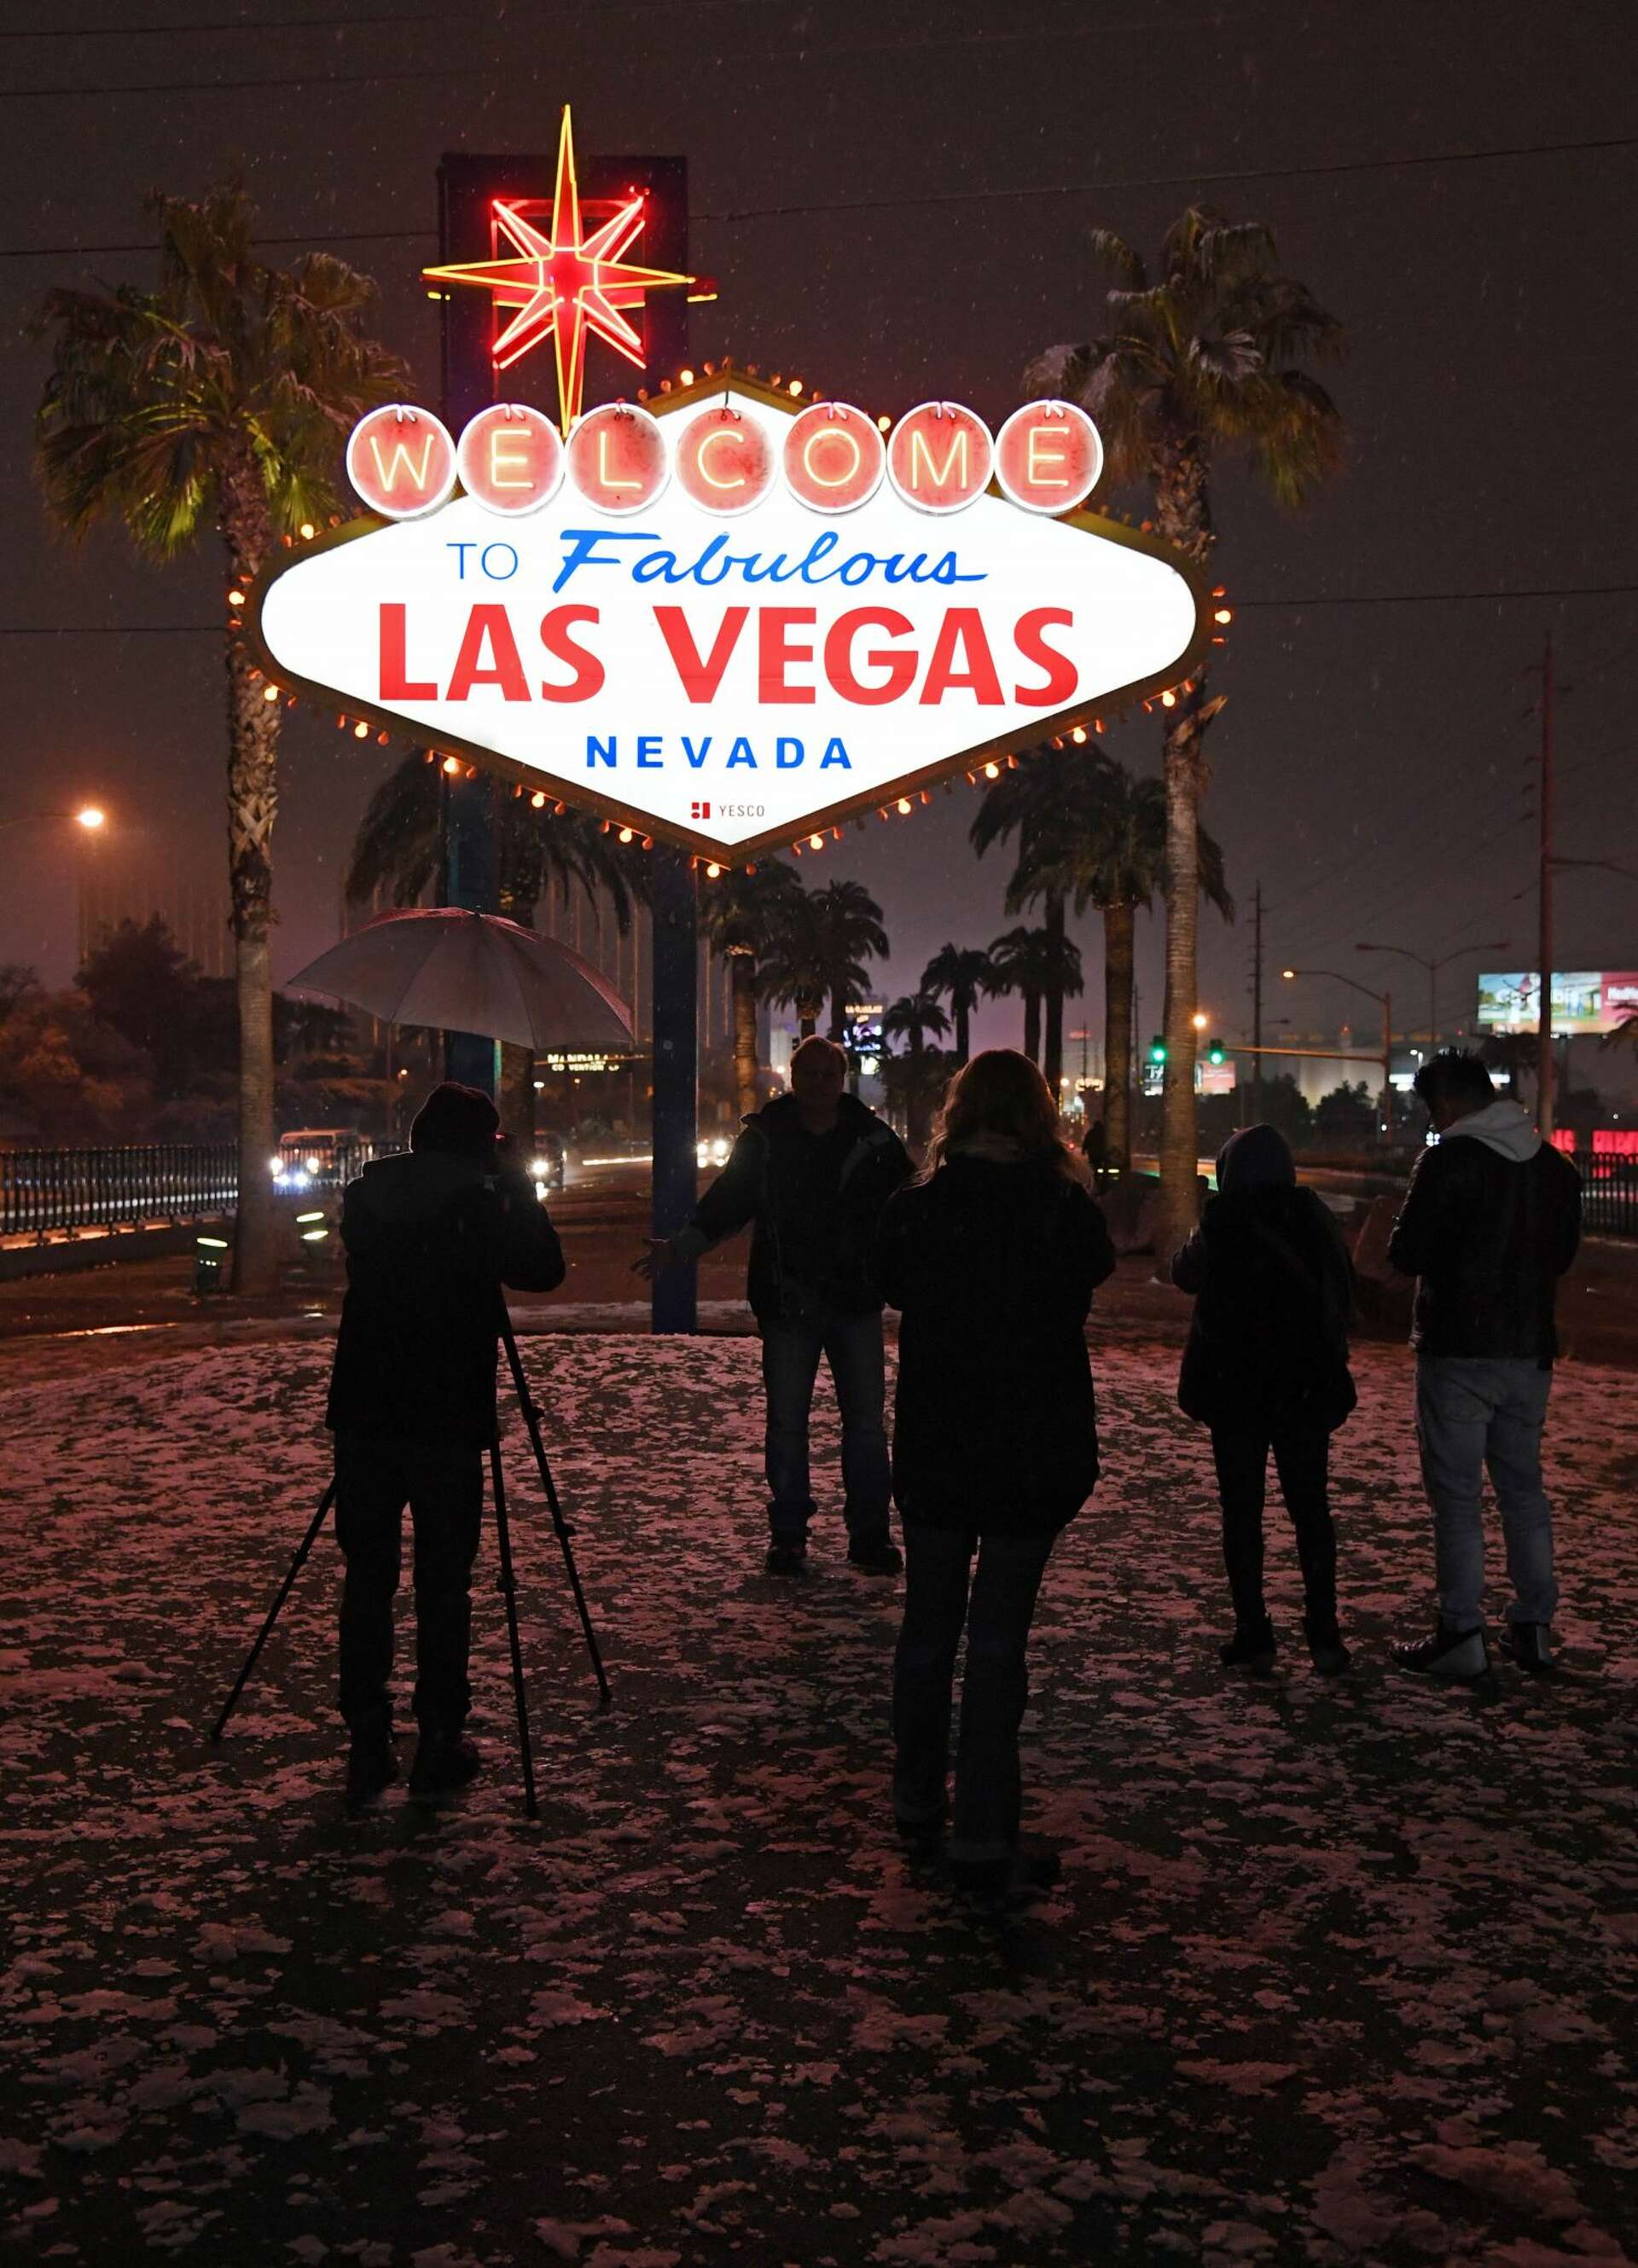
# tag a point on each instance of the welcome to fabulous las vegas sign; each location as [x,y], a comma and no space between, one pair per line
[738,622]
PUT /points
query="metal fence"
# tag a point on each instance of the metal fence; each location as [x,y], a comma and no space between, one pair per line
[45,1189]
[1609,1193]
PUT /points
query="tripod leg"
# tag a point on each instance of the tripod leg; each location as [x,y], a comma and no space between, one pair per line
[508,1591]
[284,1588]
[532,1421]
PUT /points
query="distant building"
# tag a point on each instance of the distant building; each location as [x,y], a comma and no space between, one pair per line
[135,881]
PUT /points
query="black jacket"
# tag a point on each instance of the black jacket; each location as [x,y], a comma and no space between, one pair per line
[1268,1347]
[993,1267]
[1489,1236]
[770,1179]
[429,1241]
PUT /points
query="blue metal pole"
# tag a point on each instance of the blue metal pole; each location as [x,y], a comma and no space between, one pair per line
[676,916]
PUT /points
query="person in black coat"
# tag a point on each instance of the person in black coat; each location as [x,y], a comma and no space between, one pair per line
[1266,1366]
[992,1256]
[430,1238]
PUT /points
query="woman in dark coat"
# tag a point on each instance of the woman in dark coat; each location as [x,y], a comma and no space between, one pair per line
[1266,1366]
[992,1255]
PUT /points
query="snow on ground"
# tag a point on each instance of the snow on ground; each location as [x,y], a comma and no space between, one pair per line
[1336,1973]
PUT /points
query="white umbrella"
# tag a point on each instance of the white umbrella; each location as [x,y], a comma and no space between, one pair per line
[466,972]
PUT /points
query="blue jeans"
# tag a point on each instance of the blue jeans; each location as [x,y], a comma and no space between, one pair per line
[938,1563]
[1474,1414]
[852,1345]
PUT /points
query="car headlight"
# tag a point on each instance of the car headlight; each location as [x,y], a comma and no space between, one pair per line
[702,1153]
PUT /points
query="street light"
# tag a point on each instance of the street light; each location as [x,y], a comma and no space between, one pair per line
[1384,1001]
[1433,964]
[88,815]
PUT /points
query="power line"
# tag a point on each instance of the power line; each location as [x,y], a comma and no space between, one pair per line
[235,86]
[775,212]
[248,24]
[1448,597]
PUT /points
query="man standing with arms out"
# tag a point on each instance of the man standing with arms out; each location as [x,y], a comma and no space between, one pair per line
[812,1171]
[1491,1223]
[430,1238]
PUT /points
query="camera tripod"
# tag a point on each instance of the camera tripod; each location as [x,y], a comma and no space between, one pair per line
[504,1583]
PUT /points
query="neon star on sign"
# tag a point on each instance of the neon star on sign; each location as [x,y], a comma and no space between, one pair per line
[565,284]
[677,628]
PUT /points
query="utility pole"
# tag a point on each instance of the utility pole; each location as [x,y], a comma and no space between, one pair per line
[1387,1065]
[1257,1004]
[1543,959]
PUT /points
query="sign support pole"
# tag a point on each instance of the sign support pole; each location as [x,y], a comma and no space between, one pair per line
[675,910]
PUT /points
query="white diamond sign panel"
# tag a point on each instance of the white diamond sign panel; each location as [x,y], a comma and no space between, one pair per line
[729,678]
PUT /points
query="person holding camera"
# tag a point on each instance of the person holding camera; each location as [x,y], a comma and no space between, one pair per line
[431,1237]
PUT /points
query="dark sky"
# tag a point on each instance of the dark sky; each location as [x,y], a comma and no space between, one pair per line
[1371,765]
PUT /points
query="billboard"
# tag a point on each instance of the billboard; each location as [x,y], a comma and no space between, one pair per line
[739,621]
[1583,1000]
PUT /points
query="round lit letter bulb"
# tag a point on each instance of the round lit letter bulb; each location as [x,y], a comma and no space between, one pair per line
[725,463]
[939,456]
[510,460]
[1048,456]
[617,458]
[400,461]
[834,458]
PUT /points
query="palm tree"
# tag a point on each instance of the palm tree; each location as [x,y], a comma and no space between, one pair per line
[793,971]
[1118,872]
[743,912]
[962,975]
[399,849]
[216,403]
[1029,963]
[1030,802]
[912,1017]
[1205,359]
[849,922]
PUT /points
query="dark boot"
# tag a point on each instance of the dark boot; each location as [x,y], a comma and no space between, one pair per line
[1252,1647]
[1325,1649]
[443,1763]
[372,1762]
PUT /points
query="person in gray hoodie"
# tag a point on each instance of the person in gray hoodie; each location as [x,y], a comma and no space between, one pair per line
[1491,1222]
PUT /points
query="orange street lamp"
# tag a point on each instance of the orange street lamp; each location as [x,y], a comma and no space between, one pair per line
[89,816]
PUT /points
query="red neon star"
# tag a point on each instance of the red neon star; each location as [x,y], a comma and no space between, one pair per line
[564,285]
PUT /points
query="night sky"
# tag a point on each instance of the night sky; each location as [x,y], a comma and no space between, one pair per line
[856,178]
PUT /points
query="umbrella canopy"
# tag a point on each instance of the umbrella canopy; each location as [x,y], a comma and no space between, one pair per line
[467,972]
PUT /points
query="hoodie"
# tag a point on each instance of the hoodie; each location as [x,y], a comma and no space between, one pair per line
[1267,1350]
[1502,1126]
[430,1239]
[1490,1223]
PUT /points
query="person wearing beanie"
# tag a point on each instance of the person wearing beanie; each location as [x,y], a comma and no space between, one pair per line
[431,1237]
[1266,1368]
[1491,1222]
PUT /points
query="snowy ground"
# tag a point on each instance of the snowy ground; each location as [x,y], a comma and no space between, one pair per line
[1337,1974]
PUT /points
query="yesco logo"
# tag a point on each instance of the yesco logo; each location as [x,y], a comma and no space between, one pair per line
[735,621]
[939,457]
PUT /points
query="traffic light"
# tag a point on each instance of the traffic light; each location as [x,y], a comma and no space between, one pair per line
[1215,1052]
[1157,1050]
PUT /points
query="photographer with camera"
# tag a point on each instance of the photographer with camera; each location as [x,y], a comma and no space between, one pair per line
[431,1237]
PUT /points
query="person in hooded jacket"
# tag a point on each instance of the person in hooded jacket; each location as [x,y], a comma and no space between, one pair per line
[992,1256]
[431,1237]
[1491,1222]
[812,1171]
[1267,1367]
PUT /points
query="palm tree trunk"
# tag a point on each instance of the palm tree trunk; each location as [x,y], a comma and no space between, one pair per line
[253,729]
[1182,513]
[1120,954]
[1053,1067]
[807,1018]
[743,981]
[1032,1025]
[963,1029]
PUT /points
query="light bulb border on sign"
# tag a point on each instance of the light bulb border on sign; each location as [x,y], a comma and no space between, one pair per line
[815,825]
